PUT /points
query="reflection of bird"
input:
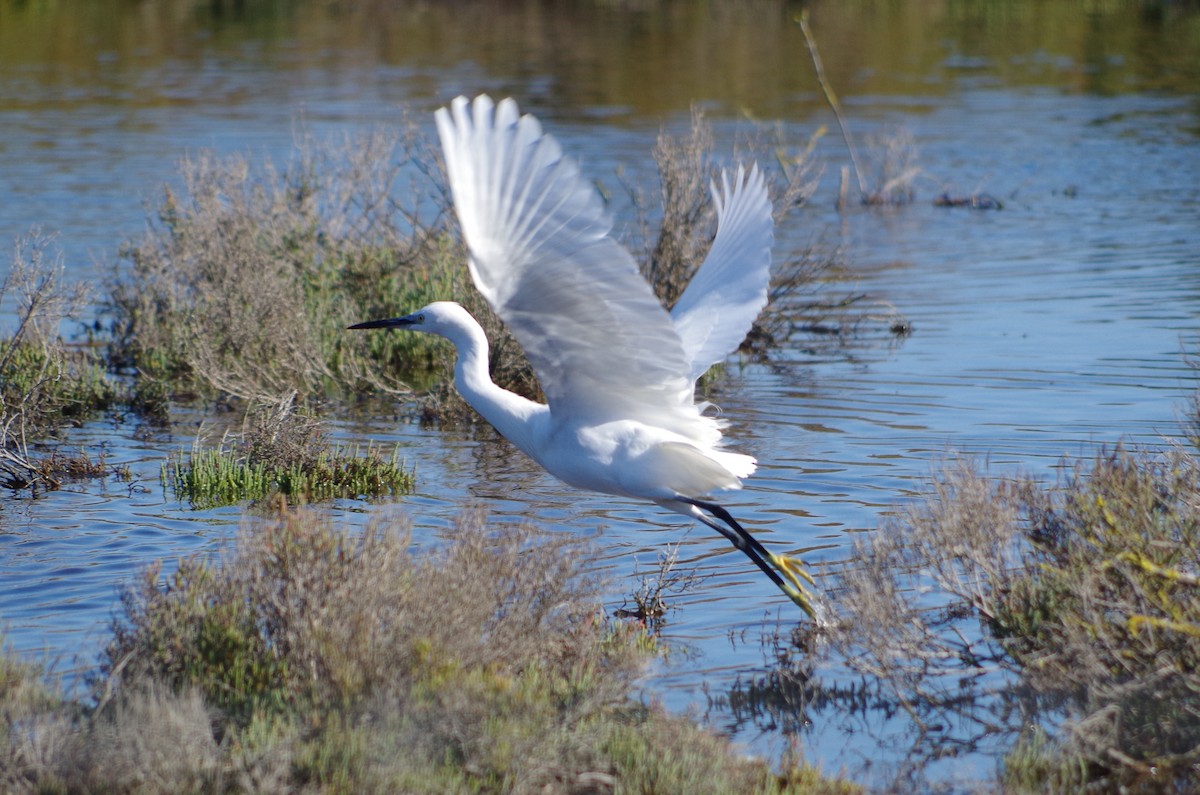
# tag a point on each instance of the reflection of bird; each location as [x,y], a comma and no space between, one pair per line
[618,371]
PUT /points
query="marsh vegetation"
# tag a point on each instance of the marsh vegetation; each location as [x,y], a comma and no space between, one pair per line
[313,660]
[1059,621]
[282,452]
[45,383]
[306,656]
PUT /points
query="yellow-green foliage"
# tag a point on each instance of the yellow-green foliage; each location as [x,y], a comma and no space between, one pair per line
[1105,612]
[1088,596]
[61,383]
[200,632]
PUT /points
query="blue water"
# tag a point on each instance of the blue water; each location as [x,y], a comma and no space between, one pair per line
[1047,329]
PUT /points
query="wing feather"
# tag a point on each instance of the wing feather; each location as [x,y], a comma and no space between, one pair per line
[729,289]
[540,252]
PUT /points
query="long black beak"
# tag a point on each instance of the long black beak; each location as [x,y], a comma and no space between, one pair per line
[391,322]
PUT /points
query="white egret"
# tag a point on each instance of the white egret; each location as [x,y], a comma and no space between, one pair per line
[619,372]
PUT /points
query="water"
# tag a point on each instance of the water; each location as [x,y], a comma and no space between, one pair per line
[1043,330]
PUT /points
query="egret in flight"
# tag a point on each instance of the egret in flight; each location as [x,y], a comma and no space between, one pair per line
[619,372]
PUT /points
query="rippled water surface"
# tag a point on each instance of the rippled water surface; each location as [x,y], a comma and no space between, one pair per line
[1046,329]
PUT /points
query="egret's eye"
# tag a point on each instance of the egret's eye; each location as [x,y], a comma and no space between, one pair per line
[420,318]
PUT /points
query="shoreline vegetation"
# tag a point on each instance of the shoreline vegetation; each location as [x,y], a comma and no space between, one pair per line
[311,660]
[1063,619]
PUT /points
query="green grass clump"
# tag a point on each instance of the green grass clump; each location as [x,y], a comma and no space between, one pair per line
[283,452]
[214,477]
[311,659]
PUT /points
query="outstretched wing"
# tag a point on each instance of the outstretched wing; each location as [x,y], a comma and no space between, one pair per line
[730,287]
[540,252]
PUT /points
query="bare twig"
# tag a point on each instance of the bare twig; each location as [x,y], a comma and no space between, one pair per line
[831,97]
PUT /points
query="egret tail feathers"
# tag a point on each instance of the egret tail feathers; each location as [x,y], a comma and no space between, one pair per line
[686,469]
[742,466]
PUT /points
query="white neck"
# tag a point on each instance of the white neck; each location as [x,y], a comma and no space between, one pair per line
[507,412]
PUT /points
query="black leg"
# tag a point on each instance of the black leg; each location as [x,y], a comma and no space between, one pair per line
[738,536]
[724,515]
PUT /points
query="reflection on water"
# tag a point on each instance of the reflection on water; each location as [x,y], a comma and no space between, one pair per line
[1041,330]
[99,97]
[577,59]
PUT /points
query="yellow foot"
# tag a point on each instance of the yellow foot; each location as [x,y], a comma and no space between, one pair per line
[793,571]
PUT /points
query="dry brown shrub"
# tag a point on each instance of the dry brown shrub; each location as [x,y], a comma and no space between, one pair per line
[688,218]
[686,170]
[892,157]
[313,659]
[44,381]
[674,246]
[152,740]
[36,283]
[309,614]
[282,436]
[913,600]
[1001,604]
[247,279]
[383,649]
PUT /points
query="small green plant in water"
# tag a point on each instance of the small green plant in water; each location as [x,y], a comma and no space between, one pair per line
[212,477]
[283,452]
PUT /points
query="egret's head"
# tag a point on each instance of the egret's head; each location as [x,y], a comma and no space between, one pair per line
[445,318]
